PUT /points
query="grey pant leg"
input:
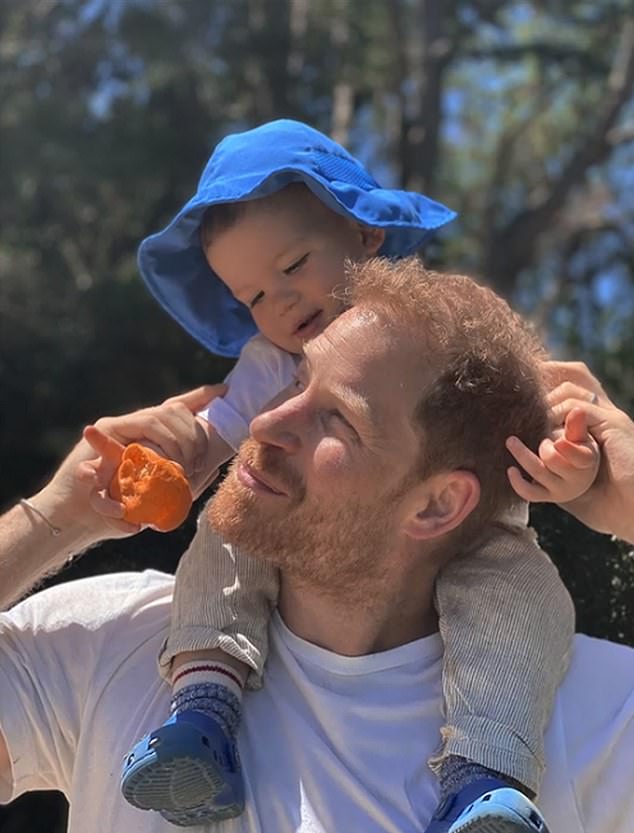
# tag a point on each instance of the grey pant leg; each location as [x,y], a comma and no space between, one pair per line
[507,624]
[223,599]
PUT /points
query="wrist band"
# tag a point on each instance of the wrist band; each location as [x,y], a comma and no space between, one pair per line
[54,530]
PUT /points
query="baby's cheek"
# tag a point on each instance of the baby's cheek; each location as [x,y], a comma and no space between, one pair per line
[266,324]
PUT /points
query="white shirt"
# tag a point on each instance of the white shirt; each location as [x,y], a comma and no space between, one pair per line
[330,744]
[261,372]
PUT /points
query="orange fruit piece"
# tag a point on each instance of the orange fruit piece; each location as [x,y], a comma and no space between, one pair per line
[153,490]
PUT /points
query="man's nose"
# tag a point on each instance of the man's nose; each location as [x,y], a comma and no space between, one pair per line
[279,424]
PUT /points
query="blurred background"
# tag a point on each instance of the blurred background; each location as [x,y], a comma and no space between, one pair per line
[520,115]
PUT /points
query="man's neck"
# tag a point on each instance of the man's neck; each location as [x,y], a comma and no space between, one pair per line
[388,615]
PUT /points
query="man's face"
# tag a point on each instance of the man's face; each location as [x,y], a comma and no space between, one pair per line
[319,487]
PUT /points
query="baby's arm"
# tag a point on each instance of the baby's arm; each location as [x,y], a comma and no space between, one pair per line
[222,600]
[564,467]
[218,452]
[190,453]
[231,613]
[262,371]
[218,634]
[198,444]
[607,506]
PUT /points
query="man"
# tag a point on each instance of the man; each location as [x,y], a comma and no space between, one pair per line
[337,738]
[40,535]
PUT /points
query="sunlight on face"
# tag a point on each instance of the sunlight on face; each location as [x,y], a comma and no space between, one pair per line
[284,262]
[317,487]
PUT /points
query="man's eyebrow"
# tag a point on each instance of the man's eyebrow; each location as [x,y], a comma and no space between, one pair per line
[353,401]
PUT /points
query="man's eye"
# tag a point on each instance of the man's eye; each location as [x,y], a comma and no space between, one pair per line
[343,421]
[294,267]
[255,299]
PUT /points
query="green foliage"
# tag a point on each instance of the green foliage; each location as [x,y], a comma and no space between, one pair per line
[598,572]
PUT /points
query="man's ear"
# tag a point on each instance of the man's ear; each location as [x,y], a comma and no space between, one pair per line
[440,504]
[372,239]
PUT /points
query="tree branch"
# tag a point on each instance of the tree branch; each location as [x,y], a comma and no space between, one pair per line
[343,90]
[622,134]
[548,52]
[514,246]
[422,52]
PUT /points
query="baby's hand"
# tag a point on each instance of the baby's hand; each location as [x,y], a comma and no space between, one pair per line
[563,469]
[98,473]
[135,486]
[153,490]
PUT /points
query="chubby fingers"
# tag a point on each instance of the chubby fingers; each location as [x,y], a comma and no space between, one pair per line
[575,455]
[180,435]
[530,492]
[170,428]
[595,413]
[103,444]
[576,426]
[89,473]
[110,509]
[195,400]
[194,456]
[543,479]
[108,449]
[98,473]
[577,445]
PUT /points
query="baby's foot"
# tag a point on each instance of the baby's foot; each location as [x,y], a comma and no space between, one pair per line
[487,806]
[189,769]
[504,810]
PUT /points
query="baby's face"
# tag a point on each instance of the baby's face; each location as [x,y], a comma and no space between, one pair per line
[284,263]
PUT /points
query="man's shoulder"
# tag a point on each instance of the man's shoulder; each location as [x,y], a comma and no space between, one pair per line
[597,693]
[590,743]
[596,658]
[599,667]
[96,601]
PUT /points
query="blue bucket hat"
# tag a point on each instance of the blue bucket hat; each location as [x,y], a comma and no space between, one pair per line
[254,164]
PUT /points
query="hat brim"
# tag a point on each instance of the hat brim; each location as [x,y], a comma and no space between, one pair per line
[177,274]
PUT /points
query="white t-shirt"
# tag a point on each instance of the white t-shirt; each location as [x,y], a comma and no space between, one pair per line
[261,372]
[329,744]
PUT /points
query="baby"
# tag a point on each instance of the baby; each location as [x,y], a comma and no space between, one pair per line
[251,265]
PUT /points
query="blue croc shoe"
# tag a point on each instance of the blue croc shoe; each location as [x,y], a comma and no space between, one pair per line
[504,810]
[188,770]
[487,805]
